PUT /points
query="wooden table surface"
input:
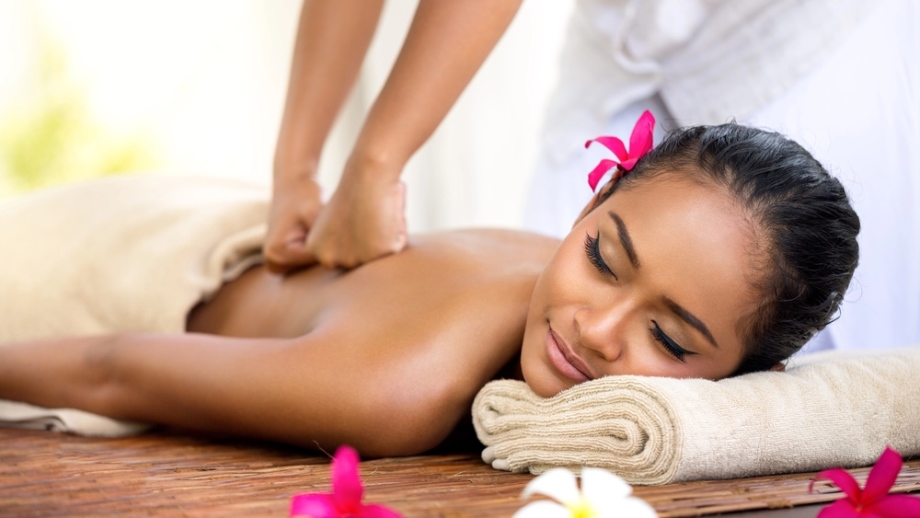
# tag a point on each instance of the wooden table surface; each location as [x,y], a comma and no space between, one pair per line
[163,474]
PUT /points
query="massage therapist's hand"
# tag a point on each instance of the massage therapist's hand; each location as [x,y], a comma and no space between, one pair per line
[364,220]
[295,205]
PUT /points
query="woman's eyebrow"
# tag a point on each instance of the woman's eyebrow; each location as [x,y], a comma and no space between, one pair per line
[625,240]
[689,318]
[676,308]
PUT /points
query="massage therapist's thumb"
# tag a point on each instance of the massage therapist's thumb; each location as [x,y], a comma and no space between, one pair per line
[284,256]
[402,234]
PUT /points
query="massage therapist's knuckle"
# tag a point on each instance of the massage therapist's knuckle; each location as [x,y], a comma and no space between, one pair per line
[272,254]
[327,262]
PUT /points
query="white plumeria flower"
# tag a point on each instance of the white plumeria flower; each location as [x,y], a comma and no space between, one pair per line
[602,495]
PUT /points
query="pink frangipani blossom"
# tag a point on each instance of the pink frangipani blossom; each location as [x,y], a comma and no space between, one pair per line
[640,142]
[873,501]
[345,499]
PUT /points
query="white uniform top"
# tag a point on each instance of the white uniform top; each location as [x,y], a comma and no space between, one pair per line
[840,77]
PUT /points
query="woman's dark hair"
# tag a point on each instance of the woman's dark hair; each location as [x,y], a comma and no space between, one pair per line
[803,212]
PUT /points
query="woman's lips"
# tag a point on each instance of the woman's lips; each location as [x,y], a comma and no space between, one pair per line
[564,360]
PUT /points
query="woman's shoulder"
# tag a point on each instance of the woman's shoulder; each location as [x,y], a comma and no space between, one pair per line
[493,249]
[453,274]
[445,268]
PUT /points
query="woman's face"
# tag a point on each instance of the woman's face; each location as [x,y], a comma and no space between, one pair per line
[653,282]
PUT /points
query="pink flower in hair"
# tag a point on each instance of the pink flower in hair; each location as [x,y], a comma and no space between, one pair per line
[640,142]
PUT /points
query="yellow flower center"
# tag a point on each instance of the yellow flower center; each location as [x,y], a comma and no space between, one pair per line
[582,509]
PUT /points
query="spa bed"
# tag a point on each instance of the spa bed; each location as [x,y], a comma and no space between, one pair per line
[166,474]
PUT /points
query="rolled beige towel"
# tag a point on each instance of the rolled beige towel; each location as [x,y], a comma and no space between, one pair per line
[126,253]
[836,409]
[121,254]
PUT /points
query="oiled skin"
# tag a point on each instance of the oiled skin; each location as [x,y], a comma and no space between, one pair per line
[386,357]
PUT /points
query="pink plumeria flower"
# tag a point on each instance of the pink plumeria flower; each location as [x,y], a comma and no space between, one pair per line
[640,142]
[345,499]
[873,501]
[602,495]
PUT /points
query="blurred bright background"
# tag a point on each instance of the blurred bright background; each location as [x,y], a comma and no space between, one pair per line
[99,87]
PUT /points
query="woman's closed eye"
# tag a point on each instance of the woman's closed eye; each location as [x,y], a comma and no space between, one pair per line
[593,250]
[669,345]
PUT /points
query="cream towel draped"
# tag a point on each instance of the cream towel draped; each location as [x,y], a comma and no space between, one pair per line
[832,409]
[131,253]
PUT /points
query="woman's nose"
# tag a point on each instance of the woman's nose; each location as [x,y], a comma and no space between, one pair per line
[602,328]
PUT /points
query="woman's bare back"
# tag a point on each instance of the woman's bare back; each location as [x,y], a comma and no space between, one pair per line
[420,331]
[457,281]
[387,357]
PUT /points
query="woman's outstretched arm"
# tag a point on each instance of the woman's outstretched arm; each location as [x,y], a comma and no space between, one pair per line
[304,391]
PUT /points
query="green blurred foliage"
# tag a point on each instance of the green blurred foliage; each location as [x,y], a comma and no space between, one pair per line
[51,136]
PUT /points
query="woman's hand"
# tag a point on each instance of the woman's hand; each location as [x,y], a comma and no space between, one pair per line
[295,206]
[365,219]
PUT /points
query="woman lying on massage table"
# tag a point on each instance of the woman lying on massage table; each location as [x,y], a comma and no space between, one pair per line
[721,251]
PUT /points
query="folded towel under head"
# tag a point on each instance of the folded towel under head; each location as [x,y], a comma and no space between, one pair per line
[832,409]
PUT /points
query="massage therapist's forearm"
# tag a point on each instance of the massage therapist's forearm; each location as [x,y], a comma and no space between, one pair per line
[332,39]
[447,43]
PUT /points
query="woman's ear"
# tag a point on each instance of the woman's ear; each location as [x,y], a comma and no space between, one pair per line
[779,367]
[602,194]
